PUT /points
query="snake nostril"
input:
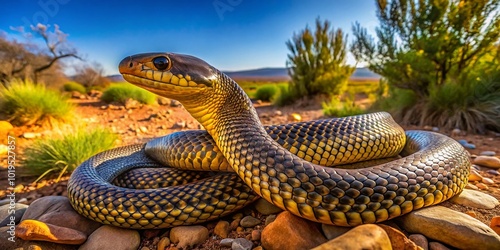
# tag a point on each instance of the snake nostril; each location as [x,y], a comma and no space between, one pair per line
[131,64]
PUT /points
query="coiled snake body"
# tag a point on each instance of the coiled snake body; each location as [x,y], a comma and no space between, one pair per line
[281,163]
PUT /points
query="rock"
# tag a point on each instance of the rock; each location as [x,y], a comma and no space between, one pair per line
[249,221]
[495,224]
[143,129]
[50,209]
[241,244]
[419,240]
[131,104]
[456,132]
[368,236]
[163,243]
[30,135]
[256,235]
[5,128]
[488,181]
[472,198]
[95,93]
[294,117]
[234,224]
[110,237]
[4,149]
[469,146]
[435,129]
[474,175]
[482,186]
[9,213]
[163,101]
[291,232]
[266,208]
[278,113]
[471,213]
[179,125]
[471,186]
[332,231]
[398,239]
[437,246]
[427,127]
[222,229]
[226,242]
[270,219]
[10,242]
[487,161]
[493,172]
[462,231]
[37,230]
[175,103]
[487,153]
[76,95]
[188,236]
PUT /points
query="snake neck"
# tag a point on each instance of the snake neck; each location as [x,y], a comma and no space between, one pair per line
[230,118]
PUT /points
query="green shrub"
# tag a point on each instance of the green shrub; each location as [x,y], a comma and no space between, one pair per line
[337,108]
[121,92]
[284,97]
[74,86]
[265,93]
[65,152]
[27,103]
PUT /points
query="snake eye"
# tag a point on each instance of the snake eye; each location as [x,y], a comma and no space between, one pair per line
[161,62]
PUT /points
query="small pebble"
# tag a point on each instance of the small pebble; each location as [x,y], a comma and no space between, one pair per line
[456,132]
[240,229]
[420,240]
[493,172]
[256,235]
[482,186]
[270,219]
[474,176]
[163,243]
[435,129]
[487,153]
[469,146]
[437,246]
[471,186]
[234,224]
[488,181]
[241,244]
[226,242]
[222,229]
[249,221]
[471,213]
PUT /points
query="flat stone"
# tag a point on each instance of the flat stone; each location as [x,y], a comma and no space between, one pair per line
[222,229]
[487,181]
[226,242]
[12,212]
[487,161]
[398,239]
[256,234]
[474,175]
[493,172]
[188,236]
[249,221]
[270,219]
[477,199]
[450,227]
[241,244]
[163,243]
[368,236]
[291,232]
[332,231]
[495,224]
[482,186]
[37,230]
[488,153]
[437,246]
[264,207]
[50,209]
[8,241]
[419,240]
[110,237]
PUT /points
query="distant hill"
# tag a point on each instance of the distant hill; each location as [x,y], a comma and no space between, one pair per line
[271,74]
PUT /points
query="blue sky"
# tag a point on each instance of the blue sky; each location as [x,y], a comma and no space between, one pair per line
[229,34]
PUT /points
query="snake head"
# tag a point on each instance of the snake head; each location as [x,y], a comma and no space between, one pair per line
[170,75]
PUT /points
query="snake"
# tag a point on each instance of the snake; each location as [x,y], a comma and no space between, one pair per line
[297,167]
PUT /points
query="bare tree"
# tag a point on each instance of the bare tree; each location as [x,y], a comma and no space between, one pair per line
[57,46]
[91,75]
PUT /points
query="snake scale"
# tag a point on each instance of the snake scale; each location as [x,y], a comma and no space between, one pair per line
[284,164]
